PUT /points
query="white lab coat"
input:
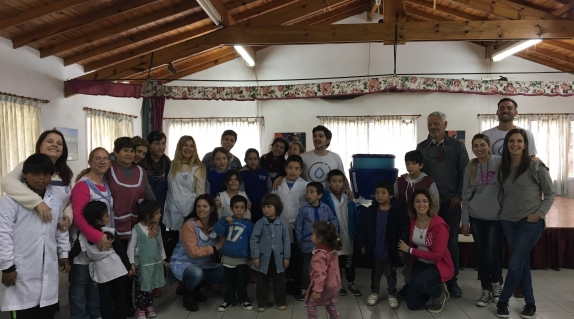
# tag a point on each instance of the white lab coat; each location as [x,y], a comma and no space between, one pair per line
[342,212]
[293,199]
[180,198]
[225,209]
[34,247]
[106,265]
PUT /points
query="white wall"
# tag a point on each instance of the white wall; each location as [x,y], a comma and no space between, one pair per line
[22,72]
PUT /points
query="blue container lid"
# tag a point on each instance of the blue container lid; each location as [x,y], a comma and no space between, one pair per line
[373,156]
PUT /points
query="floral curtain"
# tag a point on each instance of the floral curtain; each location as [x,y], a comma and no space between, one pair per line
[103,128]
[207,133]
[19,131]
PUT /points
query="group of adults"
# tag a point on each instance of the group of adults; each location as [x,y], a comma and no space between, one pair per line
[505,190]
[119,181]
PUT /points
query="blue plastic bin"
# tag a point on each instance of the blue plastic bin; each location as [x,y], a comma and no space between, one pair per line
[364,181]
[373,161]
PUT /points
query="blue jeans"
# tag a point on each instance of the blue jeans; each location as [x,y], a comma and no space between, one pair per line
[521,236]
[83,294]
[452,219]
[193,276]
[425,283]
[487,236]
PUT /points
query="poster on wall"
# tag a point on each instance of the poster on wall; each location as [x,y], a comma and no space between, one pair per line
[293,137]
[71,136]
[458,135]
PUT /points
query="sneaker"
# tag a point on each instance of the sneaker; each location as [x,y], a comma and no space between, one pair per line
[403,292]
[141,314]
[484,299]
[260,309]
[354,290]
[496,291]
[528,311]
[343,291]
[283,307]
[246,305]
[393,302]
[150,312]
[372,299]
[454,290]
[156,293]
[224,306]
[502,309]
[189,304]
[302,294]
[438,303]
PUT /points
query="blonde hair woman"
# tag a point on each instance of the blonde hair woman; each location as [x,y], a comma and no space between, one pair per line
[186,181]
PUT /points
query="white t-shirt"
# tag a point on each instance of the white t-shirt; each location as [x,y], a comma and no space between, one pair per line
[317,167]
[496,137]
[419,239]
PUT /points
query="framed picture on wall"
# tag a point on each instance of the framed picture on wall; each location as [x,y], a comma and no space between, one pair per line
[71,136]
[293,137]
[458,135]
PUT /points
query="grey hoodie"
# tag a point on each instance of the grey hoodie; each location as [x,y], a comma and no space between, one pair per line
[481,197]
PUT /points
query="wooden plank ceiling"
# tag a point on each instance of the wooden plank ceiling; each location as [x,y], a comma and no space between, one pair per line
[116,38]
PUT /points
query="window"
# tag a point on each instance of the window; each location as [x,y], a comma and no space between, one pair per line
[553,137]
[19,131]
[372,135]
[103,128]
[207,133]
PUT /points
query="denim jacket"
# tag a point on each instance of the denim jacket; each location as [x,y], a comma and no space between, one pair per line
[270,238]
[306,218]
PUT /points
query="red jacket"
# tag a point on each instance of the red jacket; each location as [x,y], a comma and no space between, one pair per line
[436,241]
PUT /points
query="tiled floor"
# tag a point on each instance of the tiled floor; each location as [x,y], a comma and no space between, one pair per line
[554,292]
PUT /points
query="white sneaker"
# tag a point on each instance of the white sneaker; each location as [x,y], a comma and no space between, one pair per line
[372,299]
[393,302]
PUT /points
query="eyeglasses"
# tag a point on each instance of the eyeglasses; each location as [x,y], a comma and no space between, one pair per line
[438,153]
[101,160]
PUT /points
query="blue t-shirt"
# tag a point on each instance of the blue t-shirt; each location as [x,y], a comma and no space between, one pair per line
[381,249]
[290,185]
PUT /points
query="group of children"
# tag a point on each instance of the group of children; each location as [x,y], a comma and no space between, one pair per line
[297,236]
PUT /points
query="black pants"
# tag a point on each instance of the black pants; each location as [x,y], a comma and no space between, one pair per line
[380,268]
[48,312]
[347,262]
[172,238]
[129,288]
[113,298]
[262,289]
[236,280]
[293,272]
[305,280]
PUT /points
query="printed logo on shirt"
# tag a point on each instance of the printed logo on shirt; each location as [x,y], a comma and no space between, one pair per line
[497,147]
[238,231]
[429,239]
[185,177]
[67,189]
[318,172]
[263,177]
[486,178]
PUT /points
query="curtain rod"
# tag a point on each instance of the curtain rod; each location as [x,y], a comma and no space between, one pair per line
[213,118]
[477,115]
[114,113]
[25,97]
[368,116]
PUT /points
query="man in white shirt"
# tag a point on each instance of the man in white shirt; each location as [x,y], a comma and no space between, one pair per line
[506,112]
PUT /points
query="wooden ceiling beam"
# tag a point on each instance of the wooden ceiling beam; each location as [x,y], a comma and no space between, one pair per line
[447,10]
[413,31]
[560,44]
[394,11]
[38,13]
[99,15]
[146,35]
[545,62]
[226,18]
[194,46]
[371,13]
[430,16]
[551,54]
[201,67]
[119,28]
[564,9]
[508,9]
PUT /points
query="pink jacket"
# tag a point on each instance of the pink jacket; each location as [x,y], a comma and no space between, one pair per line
[436,241]
[325,277]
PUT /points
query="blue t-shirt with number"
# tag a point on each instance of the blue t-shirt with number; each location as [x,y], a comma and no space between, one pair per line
[237,236]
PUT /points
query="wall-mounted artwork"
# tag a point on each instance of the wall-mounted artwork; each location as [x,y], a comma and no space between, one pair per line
[458,135]
[71,136]
[293,137]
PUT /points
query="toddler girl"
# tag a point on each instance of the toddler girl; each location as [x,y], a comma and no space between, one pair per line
[231,182]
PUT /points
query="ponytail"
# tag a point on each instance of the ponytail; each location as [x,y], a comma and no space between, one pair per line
[82,173]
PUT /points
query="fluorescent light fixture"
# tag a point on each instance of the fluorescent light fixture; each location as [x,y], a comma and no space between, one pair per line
[247,56]
[211,11]
[513,49]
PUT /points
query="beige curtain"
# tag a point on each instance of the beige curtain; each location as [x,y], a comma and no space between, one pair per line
[19,131]
[104,128]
